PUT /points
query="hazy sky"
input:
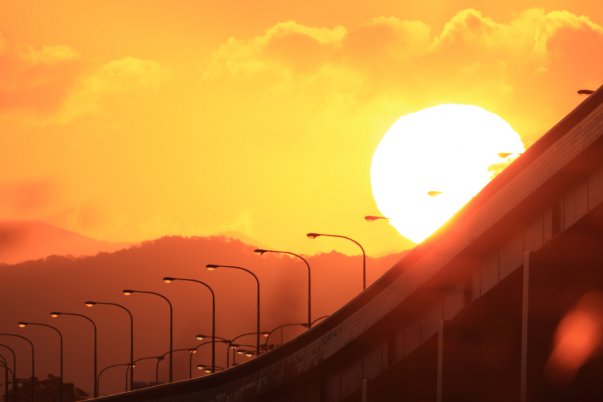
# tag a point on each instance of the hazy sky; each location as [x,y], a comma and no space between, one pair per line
[126,121]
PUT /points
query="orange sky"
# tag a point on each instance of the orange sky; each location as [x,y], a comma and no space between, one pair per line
[126,121]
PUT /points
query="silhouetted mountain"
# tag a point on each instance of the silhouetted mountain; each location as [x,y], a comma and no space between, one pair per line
[31,240]
[30,290]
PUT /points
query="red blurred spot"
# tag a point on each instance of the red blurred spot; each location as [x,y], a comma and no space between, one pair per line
[577,338]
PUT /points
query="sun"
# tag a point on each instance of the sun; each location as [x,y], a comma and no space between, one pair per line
[432,162]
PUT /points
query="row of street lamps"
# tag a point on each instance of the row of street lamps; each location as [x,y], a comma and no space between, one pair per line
[213,338]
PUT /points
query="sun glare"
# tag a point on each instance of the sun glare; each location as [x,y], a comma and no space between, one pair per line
[432,162]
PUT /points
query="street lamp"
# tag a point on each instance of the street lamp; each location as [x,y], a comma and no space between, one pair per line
[207,370]
[295,324]
[371,218]
[14,370]
[157,358]
[24,324]
[201,337]
[191,352]
[585,92]
[315,235]
[7,372]
[91,304]
[56,314]
[261,251]
[110,367]
[170,279]
[33,362]
[211,267]
[233,345]
[129,292]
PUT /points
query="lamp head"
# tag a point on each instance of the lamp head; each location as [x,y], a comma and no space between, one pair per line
[127,292]
[371,218]
[55,314]
[200,367]
[192,351]
[211,267]
[168,279]
[434,193]
[160,358]
[312,235]
[89,304]
[248,354]
[260,251]
[208,370]
[265,334]
[200,337]
[22,324]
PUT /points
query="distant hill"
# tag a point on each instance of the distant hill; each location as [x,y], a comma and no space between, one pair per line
[30,240]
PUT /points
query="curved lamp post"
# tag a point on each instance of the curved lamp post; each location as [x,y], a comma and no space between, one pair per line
[322,317]
[129,292]
[201,337]
[206,369]
[315,235]
[8,372]
[371,218]
[110,367]
[12,372]
[191,352]
[157,358]
[170,279]
[264,251]
[294,324]
[233,345]
[196,348]
[56,314]
[211,267]
[98,303]
[24,324]
[33,362]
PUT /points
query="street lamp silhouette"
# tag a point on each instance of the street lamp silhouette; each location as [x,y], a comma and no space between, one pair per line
[91,304]
[170,279]
[191,352]
[14,370]
[33,362]
[207,370]
[372,218]
[24,324]
[56,314]
[201,337]
[128,365]
[242,352]
[294,324]
[8,372]
[315,235]
[585,92]
[158,359]
[233,345]
[211,267]
[128,292]
[261,251]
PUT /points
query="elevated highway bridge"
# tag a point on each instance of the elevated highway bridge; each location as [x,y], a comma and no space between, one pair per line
[470,314]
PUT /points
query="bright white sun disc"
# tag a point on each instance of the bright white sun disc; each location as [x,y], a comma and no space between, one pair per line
[432,162]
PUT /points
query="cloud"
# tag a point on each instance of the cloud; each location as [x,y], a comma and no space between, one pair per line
[49,55]
[35,79]
[115,77]
[472,54]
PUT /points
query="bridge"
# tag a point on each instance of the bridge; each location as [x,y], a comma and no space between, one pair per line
[473,313]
